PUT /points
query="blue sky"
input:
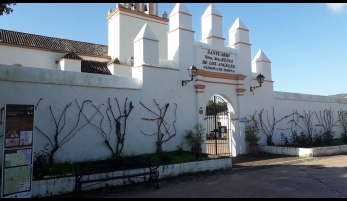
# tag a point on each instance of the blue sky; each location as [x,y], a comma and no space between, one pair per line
[306,42]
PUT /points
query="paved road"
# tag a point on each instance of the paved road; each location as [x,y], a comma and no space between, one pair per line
[323,177]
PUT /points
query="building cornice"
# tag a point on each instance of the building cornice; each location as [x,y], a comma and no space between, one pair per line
[261,61]
[125,10]
[212,14]
[181,13]
[220,75]
[181,29]
[243,43]
[213,37]
[239,29]
[146,39]
[215,82]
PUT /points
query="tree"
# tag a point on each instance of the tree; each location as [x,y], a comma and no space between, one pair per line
[5,8]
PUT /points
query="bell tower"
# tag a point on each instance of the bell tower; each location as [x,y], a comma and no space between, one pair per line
[126,21]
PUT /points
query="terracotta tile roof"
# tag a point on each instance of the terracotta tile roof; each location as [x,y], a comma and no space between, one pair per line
[50,43]
[97,67]
[71,55]
[114,61]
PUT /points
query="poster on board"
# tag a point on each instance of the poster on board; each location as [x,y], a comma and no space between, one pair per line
[17,154]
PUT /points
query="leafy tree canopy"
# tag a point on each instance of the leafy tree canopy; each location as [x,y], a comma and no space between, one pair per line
[5,8]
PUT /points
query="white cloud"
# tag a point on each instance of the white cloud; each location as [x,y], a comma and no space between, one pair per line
[337,7]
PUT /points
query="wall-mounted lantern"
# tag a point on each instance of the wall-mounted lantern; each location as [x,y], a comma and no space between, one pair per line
[192,72]
[260,80]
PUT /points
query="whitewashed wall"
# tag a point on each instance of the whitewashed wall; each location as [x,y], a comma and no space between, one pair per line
[285,103]
[29,57]
[23,85]
[58,88]
[121,38]
[35,58]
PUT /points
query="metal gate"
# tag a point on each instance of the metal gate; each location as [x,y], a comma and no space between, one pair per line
[217,127]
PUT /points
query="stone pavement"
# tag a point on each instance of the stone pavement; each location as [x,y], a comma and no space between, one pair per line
[252,176]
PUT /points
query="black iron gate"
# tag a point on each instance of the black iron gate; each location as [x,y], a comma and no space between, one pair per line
[217,127]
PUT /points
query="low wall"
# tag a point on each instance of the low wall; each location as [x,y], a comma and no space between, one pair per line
[50,187]
[303,152]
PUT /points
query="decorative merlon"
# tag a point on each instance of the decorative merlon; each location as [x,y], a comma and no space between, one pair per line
[260,56]
[146,33]
[180,8]
[211,10]
[238,24]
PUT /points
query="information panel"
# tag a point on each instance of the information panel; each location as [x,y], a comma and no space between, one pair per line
[18,151]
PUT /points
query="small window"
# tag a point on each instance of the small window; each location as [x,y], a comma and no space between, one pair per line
[19,65]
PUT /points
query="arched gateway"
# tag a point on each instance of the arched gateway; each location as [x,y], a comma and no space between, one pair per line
[218,126]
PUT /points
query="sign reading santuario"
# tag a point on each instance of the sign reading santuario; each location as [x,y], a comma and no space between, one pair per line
[218,61]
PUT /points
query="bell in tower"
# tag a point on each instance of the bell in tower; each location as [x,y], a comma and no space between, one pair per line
[121,36]
[148,8]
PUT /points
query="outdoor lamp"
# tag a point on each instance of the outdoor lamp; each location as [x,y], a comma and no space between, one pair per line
[260,80]
[192,72]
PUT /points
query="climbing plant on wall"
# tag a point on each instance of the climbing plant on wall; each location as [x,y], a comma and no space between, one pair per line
[308,127]
[1,119]
[61,134]
[326,121]
[342,116]
[163,127]
[120,124]
[269,127]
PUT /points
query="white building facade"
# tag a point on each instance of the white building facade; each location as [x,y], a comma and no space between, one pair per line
[143,66]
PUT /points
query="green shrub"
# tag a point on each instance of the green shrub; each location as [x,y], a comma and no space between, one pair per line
[164,158]
[344,137]
[328,137]
[318,139]
[252,130]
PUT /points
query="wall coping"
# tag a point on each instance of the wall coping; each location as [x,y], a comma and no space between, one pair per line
[308,97]
[59,77]
[304,152]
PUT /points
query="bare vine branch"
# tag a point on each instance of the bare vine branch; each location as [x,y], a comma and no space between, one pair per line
[342,116]
[1,118]
[105,135]
[163,128]
[270,127]
[326,120]
[122,118]
[37,104]
[59,126]
[72,133]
